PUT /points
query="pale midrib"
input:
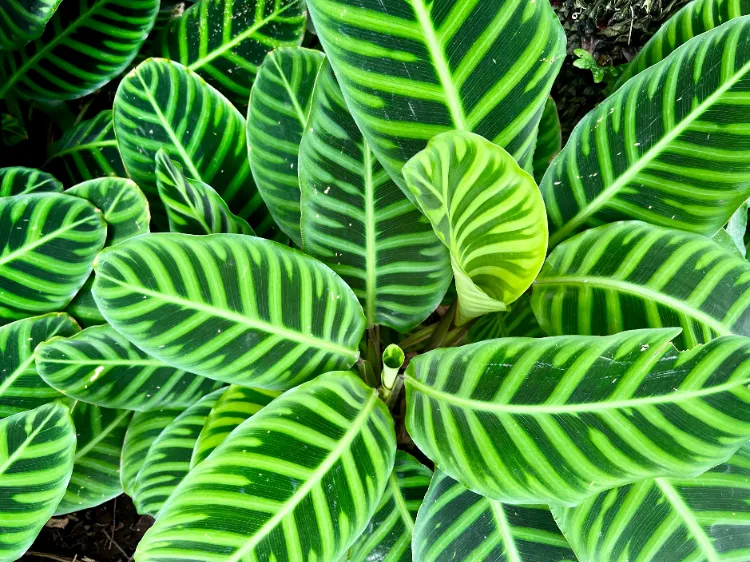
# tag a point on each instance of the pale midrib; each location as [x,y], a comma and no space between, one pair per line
[21,448]
[639,290]
[398,499]
[44,239]
[239,318]
[115,362]
[372,256]
[498,515]
[81,147]
[301,117]
[103,434]
[16,373]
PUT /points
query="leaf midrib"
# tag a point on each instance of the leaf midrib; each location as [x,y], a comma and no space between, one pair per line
[103,434]
[29,439]
[398,499]
[301,116]
[82,147]
[506,532]
[370,233]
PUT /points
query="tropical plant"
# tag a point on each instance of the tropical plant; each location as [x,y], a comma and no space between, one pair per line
[354,301]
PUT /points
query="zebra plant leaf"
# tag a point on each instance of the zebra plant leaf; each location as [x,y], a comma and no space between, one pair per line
[101,367]
[557,420]
[459,525]
[12,131]
[387,537]
[549,142]
[229,307]
[280,106]
[24,21]
[83,307]
[85,45]
[517,322]
[297,481]
[736,228]
[20,181]
[193,207]
[631,275]
[679,164]
[36,457]
[168,459]
[235,406]
[360,224]
[21,387]
[411,70]
[488,213]
[100,433]
[666,520]
[87,151]
[229,60]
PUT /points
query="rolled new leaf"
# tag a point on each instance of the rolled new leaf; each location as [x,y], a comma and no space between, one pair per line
[229,307]
[20,181]
[558,420]
[488,213]
[24,21]
[299,480]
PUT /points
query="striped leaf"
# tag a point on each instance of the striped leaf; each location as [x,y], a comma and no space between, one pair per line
[24,21]
[358,222]
[549,142]
[85,45]
[87,151]
[412,69]
[20,181]
[684,163]
[387,537]
[193,207]
[280,106]
[297,481]
[161,104]
[235,406]
[21,387]
[248,29]
[83,307]
[12,131]
[101,367]
[143,430]
[168,459]
[100,433]
[36,460]
[557,420]
[518,322]
[667,520]
[488,213]
[48,242]
[736,229]
[229,307]
[458,525]
[631,275]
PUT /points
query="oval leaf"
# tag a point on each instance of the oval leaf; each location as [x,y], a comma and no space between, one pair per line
[24,21]
[20,181]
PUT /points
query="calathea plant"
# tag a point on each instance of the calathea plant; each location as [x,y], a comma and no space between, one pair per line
[304,275]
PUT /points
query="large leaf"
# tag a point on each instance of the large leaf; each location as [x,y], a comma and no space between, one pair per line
[20,181]
[412,69]
[387,537]
[297,481]
[86,44]
[557,420]
[100,433]
[88,151]
[24,21]
[667,520]
[458,525]
[248,29]
[83,307]
[229,307]
[518,322]
[632,275]
[279,109]
[101,367]
[667,148]
[357,221]
[488,213]
[36,460]
[549,142]
[21,387]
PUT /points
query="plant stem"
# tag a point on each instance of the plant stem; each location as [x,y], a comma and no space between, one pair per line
[442,328]
[373,352]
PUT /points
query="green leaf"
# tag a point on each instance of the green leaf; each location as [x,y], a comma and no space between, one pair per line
[36,457]
[631,275]
[358,222]
[83,307]
[24,21]
[549,142]
[518,322]
[667,148]
[229,307]
[143,430]
[488,213]
[736,228]
[235,406]
[20,181]
[168,459]
[48,243]
[228,59]
[85,45]
[155,108]
[557,420]
[387,537]
[193,207]
[666,520]
[280,106]
[21,387]
[101,367]
[297,481]
[87,151]
[100,433]
[458,525]
[12,131]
